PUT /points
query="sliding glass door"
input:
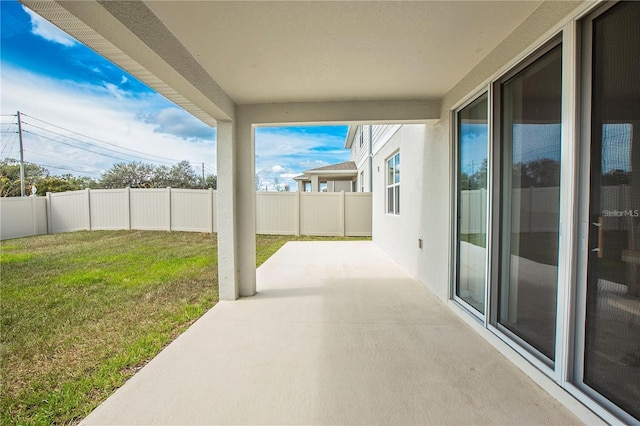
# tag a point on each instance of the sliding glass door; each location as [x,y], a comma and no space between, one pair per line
[583,331]
[611,358]
[471,242]
[529,114]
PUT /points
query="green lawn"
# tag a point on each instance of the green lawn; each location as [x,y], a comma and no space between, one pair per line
[82,312]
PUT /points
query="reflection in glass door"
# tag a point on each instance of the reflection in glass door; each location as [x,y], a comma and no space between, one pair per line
[529,202]
[612,334]
[472,144]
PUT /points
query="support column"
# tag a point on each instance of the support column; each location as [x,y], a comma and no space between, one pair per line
[236,205]
[246,204]
[228,274]
[315,183]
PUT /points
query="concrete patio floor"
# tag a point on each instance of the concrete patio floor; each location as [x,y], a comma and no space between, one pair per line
[337,334]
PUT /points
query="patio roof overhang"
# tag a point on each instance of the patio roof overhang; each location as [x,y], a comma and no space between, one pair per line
[246,53]
[237,65]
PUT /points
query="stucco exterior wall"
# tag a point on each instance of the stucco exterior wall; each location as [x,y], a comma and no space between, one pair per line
[426,158]
[398,234]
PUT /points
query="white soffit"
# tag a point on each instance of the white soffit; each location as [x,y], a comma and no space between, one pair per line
[273,52]
[208,55]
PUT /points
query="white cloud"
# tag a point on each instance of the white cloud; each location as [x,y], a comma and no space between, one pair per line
[289,175]
[176,122]
[124,79]
[146,123]
[282,154]
[115,91]
[43,28]
[107,115]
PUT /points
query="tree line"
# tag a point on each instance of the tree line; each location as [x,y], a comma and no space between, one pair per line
[120,175]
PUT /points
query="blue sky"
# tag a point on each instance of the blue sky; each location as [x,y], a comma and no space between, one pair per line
[62,85]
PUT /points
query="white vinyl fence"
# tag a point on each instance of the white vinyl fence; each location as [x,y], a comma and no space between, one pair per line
[192,210]
[21,217]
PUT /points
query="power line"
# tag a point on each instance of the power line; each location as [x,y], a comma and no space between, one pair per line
[93,145]
[13,142]
[199,164]
[145,156]
[8,127]
[7,136]
[171,161]
[63,168]
[66,161]
[73,146]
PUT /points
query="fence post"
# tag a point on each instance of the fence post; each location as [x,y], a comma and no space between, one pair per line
[342,212]
[88,207]
[211,210]
[49,215]
[127,194]
[169,203]
[298,210]
[34,214]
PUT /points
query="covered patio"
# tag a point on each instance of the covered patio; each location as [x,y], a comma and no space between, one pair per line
[337,334]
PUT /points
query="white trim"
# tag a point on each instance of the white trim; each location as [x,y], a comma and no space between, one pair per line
[593,405]
[490,194]
[393,184]
[332,172]
[567,211]
[454,153]
[453,206]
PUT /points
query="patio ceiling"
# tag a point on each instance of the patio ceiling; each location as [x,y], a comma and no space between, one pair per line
[210,56]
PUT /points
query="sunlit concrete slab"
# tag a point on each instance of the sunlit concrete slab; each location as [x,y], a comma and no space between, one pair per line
[337,334]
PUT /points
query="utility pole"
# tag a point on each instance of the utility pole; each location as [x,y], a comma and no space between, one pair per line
[21,156]
[203,183]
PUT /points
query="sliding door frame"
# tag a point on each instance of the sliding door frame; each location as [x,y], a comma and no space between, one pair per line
[455,120]
[500,221]
[575,365]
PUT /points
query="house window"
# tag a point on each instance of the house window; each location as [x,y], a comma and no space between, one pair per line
[393,184]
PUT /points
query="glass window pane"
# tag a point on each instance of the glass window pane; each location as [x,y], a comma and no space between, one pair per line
[391,172]
[612,340]
[390,200]
[531,116]
[397,168]
[397,202]
[472,142]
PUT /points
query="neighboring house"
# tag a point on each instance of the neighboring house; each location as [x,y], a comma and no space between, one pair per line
[365,142]
[331,178]
[511,190]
